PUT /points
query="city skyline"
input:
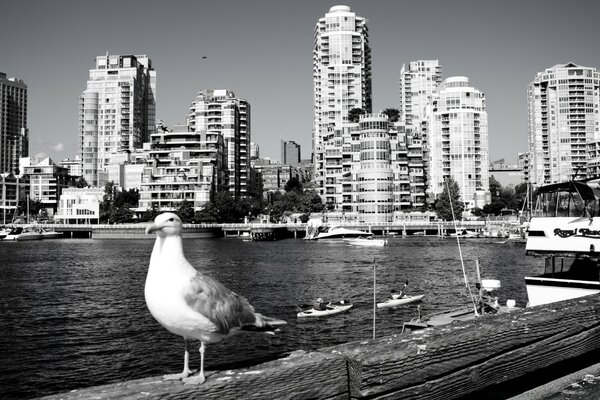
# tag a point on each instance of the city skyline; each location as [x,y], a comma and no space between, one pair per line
[262,51]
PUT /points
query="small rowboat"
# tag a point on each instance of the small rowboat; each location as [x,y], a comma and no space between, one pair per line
[399,302]
[330,310]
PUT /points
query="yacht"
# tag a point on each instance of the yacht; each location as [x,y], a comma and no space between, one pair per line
[338,232]
[21,234]
[565,230]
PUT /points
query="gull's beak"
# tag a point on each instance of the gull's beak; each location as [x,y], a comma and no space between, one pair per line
[152,228]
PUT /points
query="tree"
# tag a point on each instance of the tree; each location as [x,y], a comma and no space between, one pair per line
[116,204]
[448,201]
[81,182]
[35,207]
[293,184]
[150,214]
[186,211]
[393,114]
[354,114]
[505,198]
[521,194]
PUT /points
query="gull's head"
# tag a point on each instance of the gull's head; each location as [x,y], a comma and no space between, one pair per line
[166,224]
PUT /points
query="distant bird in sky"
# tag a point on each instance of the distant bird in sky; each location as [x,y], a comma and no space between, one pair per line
[204,57]
[191,304]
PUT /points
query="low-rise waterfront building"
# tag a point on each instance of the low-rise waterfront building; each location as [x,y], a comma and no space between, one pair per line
[79,206]
[74,166]
[126,169]
[183,165]
[47,181]
[274,175]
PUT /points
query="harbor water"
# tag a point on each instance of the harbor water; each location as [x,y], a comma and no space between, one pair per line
[73,315]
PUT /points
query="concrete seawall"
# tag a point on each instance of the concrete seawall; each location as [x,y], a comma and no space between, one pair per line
[139,233]
[494,356]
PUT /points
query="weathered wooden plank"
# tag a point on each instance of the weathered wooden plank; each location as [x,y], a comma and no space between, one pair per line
[300,376]
[393,364]
[499,369]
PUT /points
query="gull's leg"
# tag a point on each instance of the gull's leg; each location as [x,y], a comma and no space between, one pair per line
[186,365]
[198,379]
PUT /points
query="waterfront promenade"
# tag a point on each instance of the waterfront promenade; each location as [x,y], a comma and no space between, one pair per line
[295,230]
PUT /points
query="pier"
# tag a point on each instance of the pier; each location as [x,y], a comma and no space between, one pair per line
[498,356]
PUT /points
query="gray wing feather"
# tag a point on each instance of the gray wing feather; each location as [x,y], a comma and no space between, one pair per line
[220,305]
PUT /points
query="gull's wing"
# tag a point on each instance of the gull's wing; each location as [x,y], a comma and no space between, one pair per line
[220,305]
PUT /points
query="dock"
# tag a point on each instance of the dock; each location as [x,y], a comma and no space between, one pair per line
[499,356]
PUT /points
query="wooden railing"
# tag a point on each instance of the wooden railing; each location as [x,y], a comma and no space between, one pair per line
[447,362]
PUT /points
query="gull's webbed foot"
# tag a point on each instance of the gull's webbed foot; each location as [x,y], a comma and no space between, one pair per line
[176,377]
[194,380]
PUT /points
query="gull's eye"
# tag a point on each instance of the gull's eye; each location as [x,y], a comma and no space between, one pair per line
[171,219]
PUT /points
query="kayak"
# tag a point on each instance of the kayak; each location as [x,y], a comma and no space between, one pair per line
[399,302]
[331,309]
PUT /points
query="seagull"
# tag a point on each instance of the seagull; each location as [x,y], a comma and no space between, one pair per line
[190,304]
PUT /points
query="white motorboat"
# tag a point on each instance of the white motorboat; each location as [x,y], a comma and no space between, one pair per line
[22,234]
[361,241]
[330,309]
[338,232]
[565,228]
[47,234]
[399,301]
[466,233]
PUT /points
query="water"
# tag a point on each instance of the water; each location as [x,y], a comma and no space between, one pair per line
[72,312]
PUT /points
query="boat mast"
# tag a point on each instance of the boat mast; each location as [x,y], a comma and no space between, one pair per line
[374,295]
[462,262]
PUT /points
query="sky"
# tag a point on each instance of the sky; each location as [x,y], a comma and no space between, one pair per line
[262,51]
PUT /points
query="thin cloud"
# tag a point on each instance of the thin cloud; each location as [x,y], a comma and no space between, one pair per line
[58,147]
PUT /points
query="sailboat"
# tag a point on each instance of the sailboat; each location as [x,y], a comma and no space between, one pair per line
[482,303]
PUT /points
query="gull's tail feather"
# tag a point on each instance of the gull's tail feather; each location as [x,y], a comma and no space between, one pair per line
[264,324]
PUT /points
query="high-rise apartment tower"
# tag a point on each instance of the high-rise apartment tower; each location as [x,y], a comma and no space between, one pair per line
[418,81]
[220,111]
[563,122]
[458,142]
[116,111]
[14,135]
[341,82]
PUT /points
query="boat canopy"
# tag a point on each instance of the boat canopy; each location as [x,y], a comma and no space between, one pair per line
[583,188]
[571,198]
